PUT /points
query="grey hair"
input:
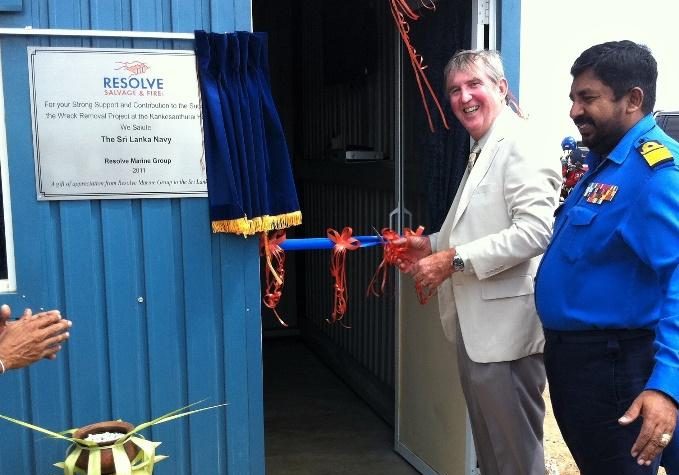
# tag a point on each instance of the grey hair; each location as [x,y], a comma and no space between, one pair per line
[488,61]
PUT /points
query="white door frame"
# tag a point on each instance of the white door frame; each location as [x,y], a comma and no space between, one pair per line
[483,19]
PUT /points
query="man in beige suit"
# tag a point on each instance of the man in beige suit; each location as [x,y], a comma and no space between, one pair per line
[482,263]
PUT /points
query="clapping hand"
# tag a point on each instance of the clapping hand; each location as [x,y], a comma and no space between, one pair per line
[30,338]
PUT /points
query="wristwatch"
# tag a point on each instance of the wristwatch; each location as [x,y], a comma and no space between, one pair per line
[458,263]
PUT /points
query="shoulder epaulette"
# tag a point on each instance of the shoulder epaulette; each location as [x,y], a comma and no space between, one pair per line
[655,153]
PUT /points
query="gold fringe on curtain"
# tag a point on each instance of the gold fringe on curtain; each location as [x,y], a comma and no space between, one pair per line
[248,227]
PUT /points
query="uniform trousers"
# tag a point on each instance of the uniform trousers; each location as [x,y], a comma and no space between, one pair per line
[593,378]
[506,412]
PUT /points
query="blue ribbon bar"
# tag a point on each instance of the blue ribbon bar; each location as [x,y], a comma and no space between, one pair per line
[311,244]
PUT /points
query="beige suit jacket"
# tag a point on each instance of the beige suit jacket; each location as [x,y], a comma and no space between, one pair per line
[501,226]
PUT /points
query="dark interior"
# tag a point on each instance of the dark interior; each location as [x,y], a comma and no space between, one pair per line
[334,79]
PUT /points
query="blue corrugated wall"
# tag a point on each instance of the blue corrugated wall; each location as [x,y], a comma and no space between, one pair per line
[164,313]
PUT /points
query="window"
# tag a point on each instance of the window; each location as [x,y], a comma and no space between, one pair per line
[671,126]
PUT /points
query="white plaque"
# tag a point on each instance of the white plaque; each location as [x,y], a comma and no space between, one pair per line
[116,123]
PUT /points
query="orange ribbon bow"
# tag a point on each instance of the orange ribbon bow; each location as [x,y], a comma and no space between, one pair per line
[274,277]
[392,255]
[343,243]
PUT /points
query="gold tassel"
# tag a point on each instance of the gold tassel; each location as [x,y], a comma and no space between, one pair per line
[248,227]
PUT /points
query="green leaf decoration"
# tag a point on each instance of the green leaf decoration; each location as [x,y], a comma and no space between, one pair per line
[142,464]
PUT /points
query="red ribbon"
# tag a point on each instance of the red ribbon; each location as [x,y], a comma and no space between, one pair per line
[400,10]
[393,254]
[274,277]
[343,243]
[390,256]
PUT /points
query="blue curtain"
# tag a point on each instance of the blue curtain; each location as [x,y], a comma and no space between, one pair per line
[249,177]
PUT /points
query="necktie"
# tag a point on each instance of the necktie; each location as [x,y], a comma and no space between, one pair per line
[473,155]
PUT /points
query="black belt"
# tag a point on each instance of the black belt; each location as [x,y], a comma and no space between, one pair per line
[593,336]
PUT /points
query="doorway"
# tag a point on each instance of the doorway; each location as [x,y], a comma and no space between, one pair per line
[332,67]
[331,106]
[315,423]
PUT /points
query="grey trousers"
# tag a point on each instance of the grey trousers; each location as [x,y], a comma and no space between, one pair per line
[506,411]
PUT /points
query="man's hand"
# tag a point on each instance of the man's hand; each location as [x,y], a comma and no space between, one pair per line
[6,314]
[431,271]
[413,248]
[659,414]
[32,337]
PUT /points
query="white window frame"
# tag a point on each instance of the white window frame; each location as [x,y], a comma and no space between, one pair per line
[9,284]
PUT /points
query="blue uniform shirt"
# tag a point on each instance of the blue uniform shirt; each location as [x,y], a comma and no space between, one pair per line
[613,262]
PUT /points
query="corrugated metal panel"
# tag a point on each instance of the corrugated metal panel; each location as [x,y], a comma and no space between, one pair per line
[164,312]
[370,340]
[357,113]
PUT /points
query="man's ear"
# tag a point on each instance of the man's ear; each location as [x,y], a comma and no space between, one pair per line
[635,97]
[503,85]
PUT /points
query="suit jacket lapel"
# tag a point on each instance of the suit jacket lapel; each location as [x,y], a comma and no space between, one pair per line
[483,163]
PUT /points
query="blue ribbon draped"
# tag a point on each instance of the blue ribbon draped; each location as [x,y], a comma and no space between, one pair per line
[249,177]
